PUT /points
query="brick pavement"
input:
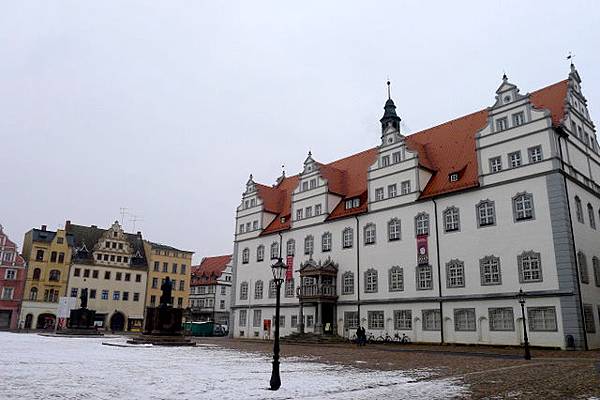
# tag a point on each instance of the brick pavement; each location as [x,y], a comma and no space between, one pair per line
[489,372]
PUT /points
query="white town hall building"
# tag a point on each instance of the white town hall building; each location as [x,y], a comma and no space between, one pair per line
[433,234]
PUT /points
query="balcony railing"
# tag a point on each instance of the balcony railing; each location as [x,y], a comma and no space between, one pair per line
[322,290]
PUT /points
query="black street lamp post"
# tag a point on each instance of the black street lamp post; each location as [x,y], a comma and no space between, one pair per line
[521,297]
[278,269]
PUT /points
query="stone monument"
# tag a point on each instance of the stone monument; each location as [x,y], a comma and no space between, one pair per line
[81,320]
[163,324]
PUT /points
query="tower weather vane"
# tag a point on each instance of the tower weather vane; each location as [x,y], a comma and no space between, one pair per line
[571,56]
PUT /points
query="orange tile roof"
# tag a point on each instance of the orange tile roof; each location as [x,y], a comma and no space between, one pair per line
[443,149]
[209,270]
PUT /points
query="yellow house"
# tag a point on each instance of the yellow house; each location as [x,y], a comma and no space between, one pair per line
[48,256]
[168,261]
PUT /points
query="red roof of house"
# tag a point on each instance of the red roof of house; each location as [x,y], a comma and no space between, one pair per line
[209,270]
[443,149]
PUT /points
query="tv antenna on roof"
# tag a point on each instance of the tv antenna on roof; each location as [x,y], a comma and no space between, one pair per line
[123,212]
[135,219]
[571,57]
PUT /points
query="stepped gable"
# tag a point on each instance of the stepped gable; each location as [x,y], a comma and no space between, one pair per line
[443,149]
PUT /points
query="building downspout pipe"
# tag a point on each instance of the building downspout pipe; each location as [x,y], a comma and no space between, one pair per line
[439,272]
[357,269]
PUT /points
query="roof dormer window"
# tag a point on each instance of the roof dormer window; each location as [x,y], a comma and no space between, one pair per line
[352,203]
[454,177]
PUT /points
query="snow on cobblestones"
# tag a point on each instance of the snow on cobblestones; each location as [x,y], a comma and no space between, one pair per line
[37,367]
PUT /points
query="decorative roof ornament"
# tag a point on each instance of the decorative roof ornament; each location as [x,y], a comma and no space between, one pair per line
[390,119]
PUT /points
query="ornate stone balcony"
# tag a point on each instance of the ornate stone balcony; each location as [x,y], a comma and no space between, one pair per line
[317,291]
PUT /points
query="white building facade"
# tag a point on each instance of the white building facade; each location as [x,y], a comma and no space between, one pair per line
[210,290]
[433,234]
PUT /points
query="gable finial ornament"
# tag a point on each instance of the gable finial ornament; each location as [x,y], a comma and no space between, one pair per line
[389,89]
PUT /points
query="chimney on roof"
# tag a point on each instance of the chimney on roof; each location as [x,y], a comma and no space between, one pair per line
[94,226]
[67,224]
[44,228]
[139,233]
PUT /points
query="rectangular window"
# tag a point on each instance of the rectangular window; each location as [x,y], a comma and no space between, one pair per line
[92,293]
[396,157]
[241,228]
[392,190]
[61,257]
[313,183]
[125,296]
[127,277]
[501,124]
[541,319]
[53,256]
[255,225]
[182,285]
[424,277]
[535,154]
[403,320]
[152,300]
[308,211]
[116,295]
[154,283]
[10,274]
[118,276]
[7,293]
[39,255]
[530,267]
[86,273]
[464,319]
[501,319]
[455,274]
[95,274]
[77,272]
[105,257]
[299,213]
[514,159]
[294,321]
[74,292]
[310,320]
[431,320]
[304,186]
[165,267]
[174,268]
[112,257]
[405,187]
[136,296]
[350,319]
[396,279]
[257,317]
[588,315]
[495,164]
[378,194]
[385,161]
[242,317]
[104,294]
[183,269]
[451,219]
[348,283]
[156,266]
[106,274]
[223,290]
[518,119]
[99,257]
[376,320]
[138,277]
[486,213]
[490,271]
[318,209]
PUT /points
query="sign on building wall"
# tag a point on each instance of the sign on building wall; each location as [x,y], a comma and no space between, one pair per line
[289,273]
[422,250]
[65,305]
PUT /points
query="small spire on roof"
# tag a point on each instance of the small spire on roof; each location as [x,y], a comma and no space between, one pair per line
[504,77]
[571,57]
[250,176]
[389,89]
[310,153]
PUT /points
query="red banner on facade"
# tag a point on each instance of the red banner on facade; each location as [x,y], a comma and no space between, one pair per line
[422,250]
[289,273]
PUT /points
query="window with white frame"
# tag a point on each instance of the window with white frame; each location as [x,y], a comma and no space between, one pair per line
[326,242]
[588,316]
[308,212]
[396,279]
[405,187]
[535,154]
[431,320]
[304,186]
[351,319]
[272,289]
[255,225]
[313,183]
[464,320]
[260,253]
[244,291]
[289,288]
[501,319]
[376,319]
[392,190]
[348,283]
[246,256]
[291,247]
[596,267]
[523,206]
[396,157]
[309,244]
[541,319]
[378,194]
[518,119]
[370,234]
[294,321]
[258,290]
[502,124]
[257,318]
[578,209]
[455,274]
[385,161]
[347,238]
[242,228]
[7,293]
[583,268]
[248,226]
[530,267]
[591,216]
[403,320]
[486,213]
[10,274]
[394,229]
[243,316]
[424,277]
[371,281]
[422,224]
[318,209]
[495,164]
[274,250]
[490,271]
[451,219]
[514,159]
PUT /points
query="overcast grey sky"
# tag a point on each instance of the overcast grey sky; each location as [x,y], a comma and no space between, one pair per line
[166,107]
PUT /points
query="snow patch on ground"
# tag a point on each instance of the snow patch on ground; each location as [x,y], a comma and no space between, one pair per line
[37,367]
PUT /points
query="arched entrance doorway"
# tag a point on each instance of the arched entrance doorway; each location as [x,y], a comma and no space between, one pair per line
[117,322]
[45,321]
[28,321]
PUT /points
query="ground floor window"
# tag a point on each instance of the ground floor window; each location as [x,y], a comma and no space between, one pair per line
[281,321]
[243,317]
[310,321]
[402,319]
[501,319]
[464,319]
[431,320]
[588,314]
[376,319]
[351,319]
[294,321]
[257,318]
[541,318]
